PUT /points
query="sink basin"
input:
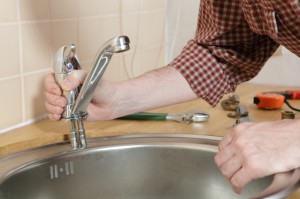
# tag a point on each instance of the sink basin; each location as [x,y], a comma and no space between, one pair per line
[164,166]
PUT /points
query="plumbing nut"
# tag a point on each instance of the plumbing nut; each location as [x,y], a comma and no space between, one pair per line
[288,115]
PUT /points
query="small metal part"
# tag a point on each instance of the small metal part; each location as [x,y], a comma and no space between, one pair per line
[288,115]
[241,115]
[73,134]
[241,111]
[243,119]
[81,132]
[231,103]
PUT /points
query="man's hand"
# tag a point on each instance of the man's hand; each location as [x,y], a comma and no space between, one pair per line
[54,103]
[255,150]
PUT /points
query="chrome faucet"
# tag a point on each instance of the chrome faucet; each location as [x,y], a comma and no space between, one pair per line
[78,100]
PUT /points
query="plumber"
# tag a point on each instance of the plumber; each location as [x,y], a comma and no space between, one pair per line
[233,41]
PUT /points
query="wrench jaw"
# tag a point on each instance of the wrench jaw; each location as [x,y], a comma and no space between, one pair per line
[200,117]
[177,118]
[192,116]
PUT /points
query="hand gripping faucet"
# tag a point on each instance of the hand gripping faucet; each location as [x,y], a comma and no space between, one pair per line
[78,99]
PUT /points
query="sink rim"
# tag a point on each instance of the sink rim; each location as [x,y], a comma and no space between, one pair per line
[12,163]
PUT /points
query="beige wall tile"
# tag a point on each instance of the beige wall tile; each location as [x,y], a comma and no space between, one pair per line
[152,5]
[88,8]
[129,27]
[114,71]
[34,10]
[110,27]
[129,6]
[151,30]
[34,95]
[8,10]
[11,103]
[144,60]
[86,65]
[36,46]
[93,33]
[110,7]
[161,59]
[88,38]
[9,51]
[63,33]
[62,9]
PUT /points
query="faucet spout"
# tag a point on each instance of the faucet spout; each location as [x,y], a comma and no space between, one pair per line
[103,57]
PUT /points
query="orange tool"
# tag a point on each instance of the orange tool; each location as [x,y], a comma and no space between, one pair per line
[269,100]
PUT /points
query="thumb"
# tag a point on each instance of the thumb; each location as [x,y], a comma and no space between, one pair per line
[73,80]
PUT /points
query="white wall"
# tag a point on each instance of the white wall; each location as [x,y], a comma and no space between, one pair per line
[282,70]
[181,21]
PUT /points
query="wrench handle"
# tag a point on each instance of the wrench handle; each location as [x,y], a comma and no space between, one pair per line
[145,116]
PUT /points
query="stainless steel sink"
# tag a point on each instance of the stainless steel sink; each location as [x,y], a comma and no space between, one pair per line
[154,166]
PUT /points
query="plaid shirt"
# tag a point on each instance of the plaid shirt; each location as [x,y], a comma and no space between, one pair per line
[234,39]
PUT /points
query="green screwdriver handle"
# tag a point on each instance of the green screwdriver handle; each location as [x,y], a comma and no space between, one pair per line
[145,116]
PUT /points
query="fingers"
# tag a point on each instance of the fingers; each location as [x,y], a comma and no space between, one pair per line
[234,172]
[230,157]
[226,140]
[53,108]
[51,86]
[54,117]
[229,165]
[55,102]
[225,152]
[224,155]
[54,111]
[73,80]
[240,180]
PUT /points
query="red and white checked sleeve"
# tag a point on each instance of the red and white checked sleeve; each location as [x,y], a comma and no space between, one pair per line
[224,52]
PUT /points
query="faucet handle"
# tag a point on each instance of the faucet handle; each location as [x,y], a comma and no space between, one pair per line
[65,62]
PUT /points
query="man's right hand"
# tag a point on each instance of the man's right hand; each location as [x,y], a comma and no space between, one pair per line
[55,102]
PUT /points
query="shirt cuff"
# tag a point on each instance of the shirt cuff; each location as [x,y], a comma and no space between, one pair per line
[205,75]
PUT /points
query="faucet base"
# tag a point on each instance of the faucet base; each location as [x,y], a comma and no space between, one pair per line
[77,131]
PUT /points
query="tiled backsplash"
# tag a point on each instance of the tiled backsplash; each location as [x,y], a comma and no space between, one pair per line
[32,30]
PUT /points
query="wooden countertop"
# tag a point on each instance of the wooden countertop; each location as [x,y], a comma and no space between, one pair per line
[46,132]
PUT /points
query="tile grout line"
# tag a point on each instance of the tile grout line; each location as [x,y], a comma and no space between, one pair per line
[24,123]
[21,62]
[52,50]
[75,18]
[77,26]
[25,74]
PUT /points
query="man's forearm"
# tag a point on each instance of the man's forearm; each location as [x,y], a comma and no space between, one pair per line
[157,88]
